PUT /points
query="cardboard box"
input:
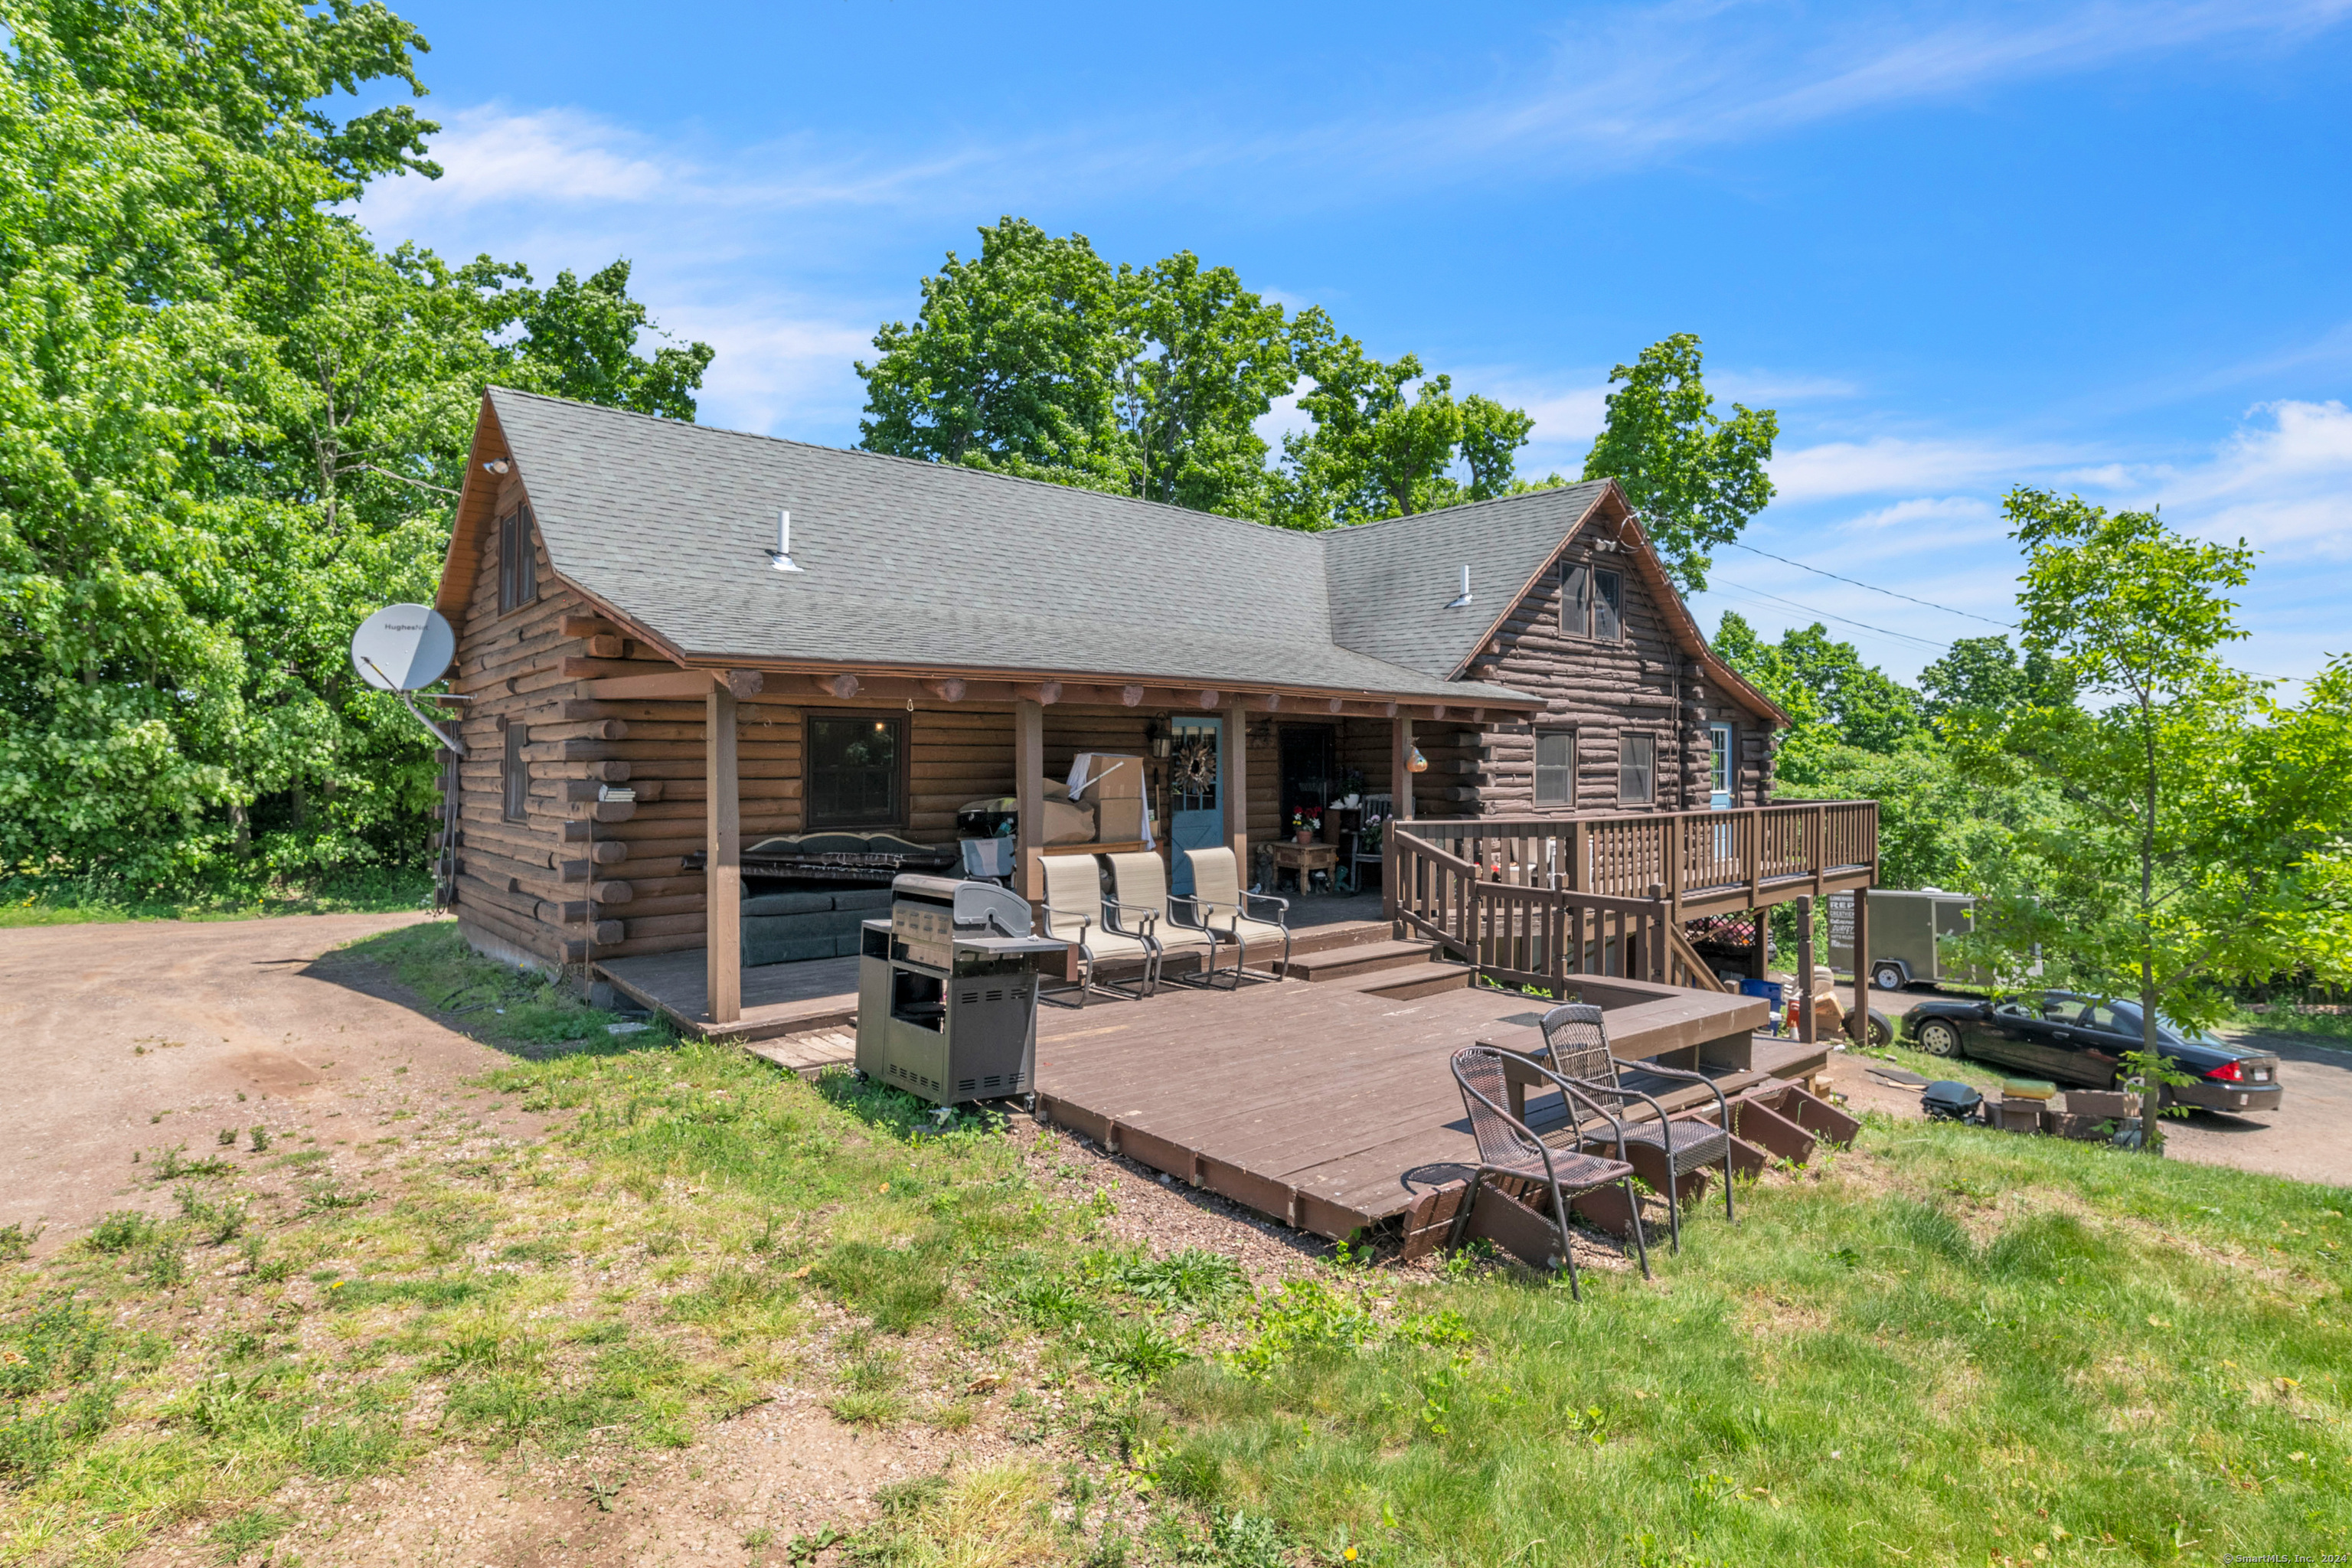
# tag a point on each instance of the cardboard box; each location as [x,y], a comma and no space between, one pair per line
[1119,820]
[1110,777]
[2102,1103]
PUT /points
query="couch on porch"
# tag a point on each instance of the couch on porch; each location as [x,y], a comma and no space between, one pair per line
[786,928]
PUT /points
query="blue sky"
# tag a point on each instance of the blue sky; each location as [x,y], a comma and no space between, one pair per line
[2096,246]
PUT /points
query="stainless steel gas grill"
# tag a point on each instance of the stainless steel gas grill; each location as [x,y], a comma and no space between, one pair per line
[947,991]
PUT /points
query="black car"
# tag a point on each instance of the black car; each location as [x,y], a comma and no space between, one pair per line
[2074,1039]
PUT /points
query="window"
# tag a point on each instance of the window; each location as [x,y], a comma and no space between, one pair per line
[514,773]
[1591,603]
[857,771]
[1555,767]
[1608,605]
[517,561]
[1637,766]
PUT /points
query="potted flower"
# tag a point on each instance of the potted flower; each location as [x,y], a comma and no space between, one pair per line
[1306,821]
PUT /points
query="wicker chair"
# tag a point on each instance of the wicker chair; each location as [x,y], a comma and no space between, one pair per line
[1578,1040]
[1137,907]
[1073,914]
[1217,903]
[1508,1147]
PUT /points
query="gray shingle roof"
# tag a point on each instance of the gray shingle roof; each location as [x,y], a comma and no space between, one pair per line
[1391,581]
[936,566]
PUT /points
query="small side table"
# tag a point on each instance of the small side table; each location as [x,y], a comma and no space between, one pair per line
[1304,860]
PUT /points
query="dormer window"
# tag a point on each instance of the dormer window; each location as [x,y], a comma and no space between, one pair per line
[1591,602]
[517,561]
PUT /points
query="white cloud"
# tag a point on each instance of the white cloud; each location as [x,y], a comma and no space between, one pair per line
[1925,512]
[1635,83]
[551,156]
[1889,464]
[2283,477]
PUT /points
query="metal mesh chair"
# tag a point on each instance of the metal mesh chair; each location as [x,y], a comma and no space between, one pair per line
[1508,1147]
[1137,907]
[1578,1040]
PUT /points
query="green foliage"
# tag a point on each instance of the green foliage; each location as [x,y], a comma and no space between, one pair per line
[1695,476]
[232,424]
[2197,831]
[1373,451]
[1039,358]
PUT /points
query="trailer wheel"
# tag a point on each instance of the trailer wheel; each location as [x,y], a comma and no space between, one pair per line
[1889,976]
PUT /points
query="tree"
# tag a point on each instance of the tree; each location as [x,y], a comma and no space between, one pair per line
[2197,836]
[1386,437]
[1696,478]
[1841,700]
[230,428]
[1986,673]
[1012,363]
[1039,358]
[1205,359]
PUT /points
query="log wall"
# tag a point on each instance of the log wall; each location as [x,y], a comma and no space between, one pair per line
[1644,684]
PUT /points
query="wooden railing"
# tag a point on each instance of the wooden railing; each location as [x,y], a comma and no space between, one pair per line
[1519,934]
[1536,901]
[1667,854]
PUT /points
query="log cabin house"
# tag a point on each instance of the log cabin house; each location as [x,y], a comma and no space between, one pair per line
[946,633]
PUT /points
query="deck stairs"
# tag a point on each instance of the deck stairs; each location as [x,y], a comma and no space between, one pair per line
[1397,969]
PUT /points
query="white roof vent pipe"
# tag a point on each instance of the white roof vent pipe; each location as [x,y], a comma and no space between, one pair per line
[782,553]
[1465,597]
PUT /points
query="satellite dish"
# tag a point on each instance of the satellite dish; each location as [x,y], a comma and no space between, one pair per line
[402,646]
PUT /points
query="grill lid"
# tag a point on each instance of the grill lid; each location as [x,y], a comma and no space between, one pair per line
[974,907]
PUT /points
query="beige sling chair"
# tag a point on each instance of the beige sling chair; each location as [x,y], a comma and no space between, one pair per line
[1219,906]
[1073,914]
[1139,903]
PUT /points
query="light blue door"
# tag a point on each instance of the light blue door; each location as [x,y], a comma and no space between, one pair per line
[1720,775]
[1196,803]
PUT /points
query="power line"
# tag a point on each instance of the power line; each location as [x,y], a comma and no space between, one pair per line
[1872,586]
[1758,593]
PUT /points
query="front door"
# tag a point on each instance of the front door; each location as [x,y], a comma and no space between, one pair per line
[1196,803]
[1719,792]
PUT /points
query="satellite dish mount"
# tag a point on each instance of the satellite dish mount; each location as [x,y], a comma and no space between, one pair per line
[402,647]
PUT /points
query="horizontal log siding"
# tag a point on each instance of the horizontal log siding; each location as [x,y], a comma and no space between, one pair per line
[1602,691]
[507,870]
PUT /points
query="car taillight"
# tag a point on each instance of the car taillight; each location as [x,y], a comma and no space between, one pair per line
[2226,1073]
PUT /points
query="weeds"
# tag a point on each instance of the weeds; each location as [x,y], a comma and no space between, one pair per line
[16,1242]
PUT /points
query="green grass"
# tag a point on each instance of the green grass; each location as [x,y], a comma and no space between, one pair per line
[2281,1022]
[1945,1345]
[54,901]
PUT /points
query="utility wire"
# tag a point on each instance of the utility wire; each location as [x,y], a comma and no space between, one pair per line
[1758,593]
[1873,587]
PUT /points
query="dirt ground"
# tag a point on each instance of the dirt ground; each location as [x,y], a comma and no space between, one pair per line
[2308,1137]
[131,1038]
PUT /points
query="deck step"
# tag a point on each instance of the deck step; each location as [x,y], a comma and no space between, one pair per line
[1411,980]
[1359,958]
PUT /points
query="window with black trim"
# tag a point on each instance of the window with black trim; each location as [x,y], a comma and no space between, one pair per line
[1555,767]
[1591,602]
[514,773]
[856,771]
[1637,769]
[517,561]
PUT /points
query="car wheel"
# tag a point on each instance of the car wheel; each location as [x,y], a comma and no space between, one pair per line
[1887,978]
[1938,1038]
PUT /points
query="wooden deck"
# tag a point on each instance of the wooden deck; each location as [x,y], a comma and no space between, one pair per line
[1328,1105]
[821,994]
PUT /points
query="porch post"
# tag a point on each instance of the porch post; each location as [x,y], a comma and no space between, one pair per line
[1029,791]
[1237,789]
[1400,765]
[723,861]
[1807,1030]
[1861,1026]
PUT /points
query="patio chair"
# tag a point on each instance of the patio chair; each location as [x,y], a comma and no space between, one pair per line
[1138,906]
[1508,1147]
[1073,914]
[1578,1042]
[1218,904]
